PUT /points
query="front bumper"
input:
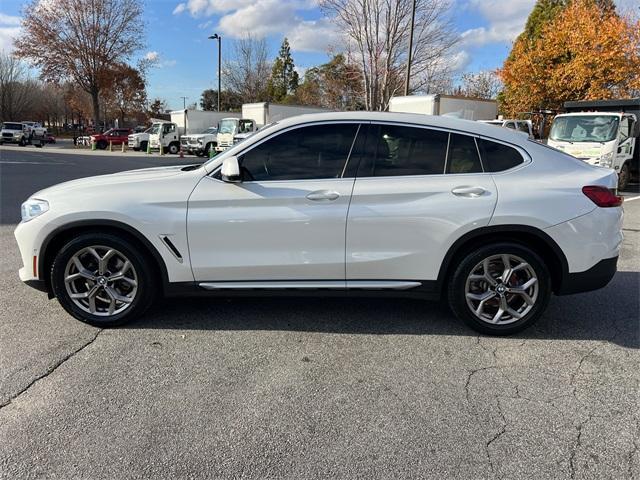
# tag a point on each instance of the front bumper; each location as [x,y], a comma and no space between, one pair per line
[596,277]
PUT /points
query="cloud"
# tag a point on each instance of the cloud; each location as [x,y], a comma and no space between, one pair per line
[156,60]
[505,21]
[263,18]
[9,30]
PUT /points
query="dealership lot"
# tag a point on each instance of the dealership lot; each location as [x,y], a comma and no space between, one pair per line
[308,388]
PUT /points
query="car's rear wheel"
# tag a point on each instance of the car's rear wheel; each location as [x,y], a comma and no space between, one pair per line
[500,289]
[103,280]
[102,145]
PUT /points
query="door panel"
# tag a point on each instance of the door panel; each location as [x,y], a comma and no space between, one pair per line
[400,227]
[268,230]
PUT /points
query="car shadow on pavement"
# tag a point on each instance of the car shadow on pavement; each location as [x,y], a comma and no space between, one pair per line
[610,314]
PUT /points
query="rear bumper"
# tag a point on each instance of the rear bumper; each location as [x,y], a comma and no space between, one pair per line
[596,277]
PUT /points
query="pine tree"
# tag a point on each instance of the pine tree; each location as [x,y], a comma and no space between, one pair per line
[284,79]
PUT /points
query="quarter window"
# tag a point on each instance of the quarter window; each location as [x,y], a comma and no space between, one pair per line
[313,152]
[398,150]
[497,157]
[463,155]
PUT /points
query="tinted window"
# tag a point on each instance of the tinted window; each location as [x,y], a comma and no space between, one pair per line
[463,155]
[318,151]
[396,150]
[497,157]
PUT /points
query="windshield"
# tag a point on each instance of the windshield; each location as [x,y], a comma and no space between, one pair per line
[227,126]
[12,126]
[155,128]
[588,128]
[210,130]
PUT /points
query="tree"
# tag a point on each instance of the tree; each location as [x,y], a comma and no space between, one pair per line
[284,79]
[80,40]
[379,32]
[127,94]
[229,101]
[157,107]
[17,91]
[248,74]
[336,85]
[588,52]
[480,85]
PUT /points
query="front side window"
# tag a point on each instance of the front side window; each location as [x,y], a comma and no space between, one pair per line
[497,157]
[394,150]
[463,155]
[313,152]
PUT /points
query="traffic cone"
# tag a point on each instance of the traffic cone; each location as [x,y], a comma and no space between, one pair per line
[212,152]
[181,152]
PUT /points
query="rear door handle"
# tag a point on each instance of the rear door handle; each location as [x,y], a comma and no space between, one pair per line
[468,191]
[323,195]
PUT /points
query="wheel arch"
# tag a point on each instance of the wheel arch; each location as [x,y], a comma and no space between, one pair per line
[56,239]
[531,237]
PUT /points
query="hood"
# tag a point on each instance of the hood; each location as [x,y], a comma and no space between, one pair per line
[101,182]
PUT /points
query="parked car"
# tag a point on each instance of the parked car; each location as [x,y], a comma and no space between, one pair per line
[14,132]
[357,203]
[139,140]
[200,143]
[524,126]
[35,129]
[115,136]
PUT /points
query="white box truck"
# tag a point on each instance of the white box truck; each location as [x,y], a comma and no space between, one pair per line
[255,116]
[605,133]
[446,105]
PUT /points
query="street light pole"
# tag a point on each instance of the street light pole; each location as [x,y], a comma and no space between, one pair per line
[217,37]
[184,102]
[413,17]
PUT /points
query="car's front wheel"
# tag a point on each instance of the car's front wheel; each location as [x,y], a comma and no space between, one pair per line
[102,279]
[500,289]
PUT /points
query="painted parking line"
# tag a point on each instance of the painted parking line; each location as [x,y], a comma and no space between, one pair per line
[627,199]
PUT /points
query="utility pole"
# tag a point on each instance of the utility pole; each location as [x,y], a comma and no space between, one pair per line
[413,18]
[217,37]
[184,102]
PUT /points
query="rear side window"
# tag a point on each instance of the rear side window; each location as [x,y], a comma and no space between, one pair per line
[313,152]
[398,150]
[497,157]
[463,155]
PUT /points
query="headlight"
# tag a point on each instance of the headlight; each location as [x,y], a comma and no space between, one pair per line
[606,160]
[17,135]
[33,208]
[199,142]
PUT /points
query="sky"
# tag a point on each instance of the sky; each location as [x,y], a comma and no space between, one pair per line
[186,61]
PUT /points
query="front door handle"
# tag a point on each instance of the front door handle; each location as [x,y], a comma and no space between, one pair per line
[468,191]
[320,195]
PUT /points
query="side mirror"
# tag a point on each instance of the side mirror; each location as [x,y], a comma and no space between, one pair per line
[231,170]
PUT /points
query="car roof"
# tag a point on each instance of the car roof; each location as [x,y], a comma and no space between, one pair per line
[449,123]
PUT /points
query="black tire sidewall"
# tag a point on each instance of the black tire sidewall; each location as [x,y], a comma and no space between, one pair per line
[146,282]
[625,168]
[457,285]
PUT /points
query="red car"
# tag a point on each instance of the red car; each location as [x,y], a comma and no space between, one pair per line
[117,136]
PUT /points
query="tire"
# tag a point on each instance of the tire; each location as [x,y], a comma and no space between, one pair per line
[114,302]
[143,146]
[136,149]
[22,142]
[525,312]
[173,148]
[102,145]
[623,177]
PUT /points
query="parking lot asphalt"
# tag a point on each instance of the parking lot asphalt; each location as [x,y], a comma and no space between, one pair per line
[312,388]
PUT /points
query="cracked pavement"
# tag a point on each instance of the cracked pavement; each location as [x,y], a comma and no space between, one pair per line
[315,388]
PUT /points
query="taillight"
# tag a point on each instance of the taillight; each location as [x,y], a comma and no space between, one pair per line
[602,196]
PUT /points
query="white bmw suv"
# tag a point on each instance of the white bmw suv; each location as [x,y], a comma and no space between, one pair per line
[350,203]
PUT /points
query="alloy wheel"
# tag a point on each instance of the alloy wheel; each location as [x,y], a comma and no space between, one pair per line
[501,289]
[101,280]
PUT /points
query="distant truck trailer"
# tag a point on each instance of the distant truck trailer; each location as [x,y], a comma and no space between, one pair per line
[456,106]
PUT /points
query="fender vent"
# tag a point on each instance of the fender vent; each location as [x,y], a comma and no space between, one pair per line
[176,253]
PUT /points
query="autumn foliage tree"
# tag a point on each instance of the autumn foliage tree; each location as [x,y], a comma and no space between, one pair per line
[586,52]
[80,40]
